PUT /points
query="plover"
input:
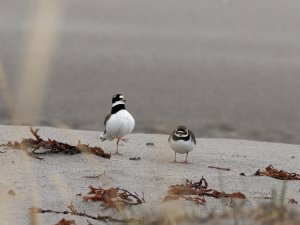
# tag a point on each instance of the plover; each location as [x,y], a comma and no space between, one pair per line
[182,141]
[119,122]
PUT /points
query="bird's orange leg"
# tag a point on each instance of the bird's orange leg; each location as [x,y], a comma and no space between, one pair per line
[174,161]
[186,158]
[117,151]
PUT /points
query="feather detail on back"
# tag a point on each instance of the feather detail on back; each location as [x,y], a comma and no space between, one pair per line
[192,136]
[171,135]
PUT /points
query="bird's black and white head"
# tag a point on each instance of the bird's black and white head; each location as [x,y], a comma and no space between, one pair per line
[181,132]
[118,99]
[118,103]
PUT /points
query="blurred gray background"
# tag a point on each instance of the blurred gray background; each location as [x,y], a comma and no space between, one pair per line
[222,68]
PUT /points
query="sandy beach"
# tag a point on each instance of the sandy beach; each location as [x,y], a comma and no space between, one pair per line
[56,181]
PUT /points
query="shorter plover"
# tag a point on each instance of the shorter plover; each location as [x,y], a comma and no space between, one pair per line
[119,122]
[182,141]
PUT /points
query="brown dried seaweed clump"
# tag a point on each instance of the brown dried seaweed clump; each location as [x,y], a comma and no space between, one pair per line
[113,197]
[270,171]
[52,146]
[196,191]
[63,221]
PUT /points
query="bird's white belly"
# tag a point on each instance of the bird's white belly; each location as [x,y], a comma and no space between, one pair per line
[181,146]
[120,124]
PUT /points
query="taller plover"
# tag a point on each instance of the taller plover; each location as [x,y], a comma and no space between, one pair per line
[182,141]
[119,122]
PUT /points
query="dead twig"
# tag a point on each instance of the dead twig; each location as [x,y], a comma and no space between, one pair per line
[73,211]
[270,171]
[89,223]
[219,168]
[150,144]
[96,176]
[135,158]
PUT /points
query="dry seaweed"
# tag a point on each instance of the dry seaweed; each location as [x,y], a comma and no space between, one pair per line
[52,146]
[96,150]
[113,197]
[11,192]
[63,221]
[292,201]
[196,199]
[270,171]
[193,191]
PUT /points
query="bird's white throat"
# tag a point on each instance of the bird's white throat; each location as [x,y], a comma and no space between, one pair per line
[118,103]
[181,135]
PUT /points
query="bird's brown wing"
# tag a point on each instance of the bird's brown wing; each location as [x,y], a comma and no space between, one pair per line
[106,118]
[171,135]
[192,136]
[105,121]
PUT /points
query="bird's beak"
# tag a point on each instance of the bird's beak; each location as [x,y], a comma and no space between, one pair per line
[124,100]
